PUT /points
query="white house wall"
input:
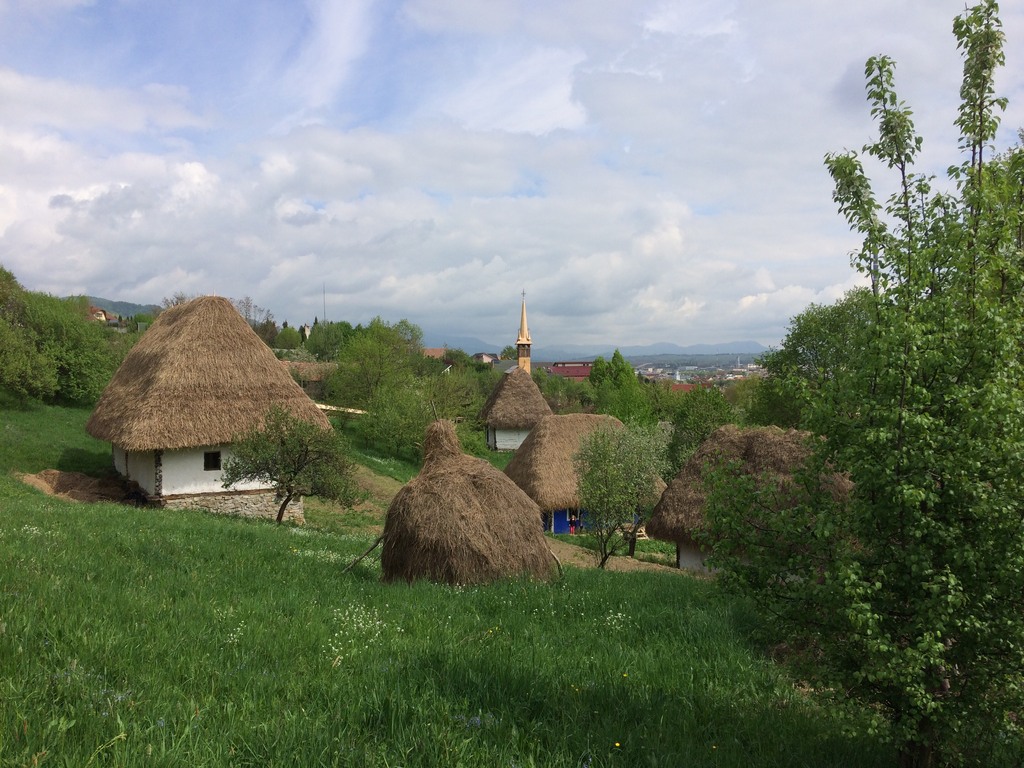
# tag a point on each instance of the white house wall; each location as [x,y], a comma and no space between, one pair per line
[137,466]
[510,439]
[183,473]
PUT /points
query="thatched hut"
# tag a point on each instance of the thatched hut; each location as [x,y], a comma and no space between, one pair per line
[513,409]
[770,453]
[198,377]
[461,521]
[543,465]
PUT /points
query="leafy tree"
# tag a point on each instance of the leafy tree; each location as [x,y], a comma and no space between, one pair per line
[820,344]
[381,355]
[510,352]
[618,469]
[909,593]
[327,339]
[50,349]
[699,412]
[298,458]
[288,338]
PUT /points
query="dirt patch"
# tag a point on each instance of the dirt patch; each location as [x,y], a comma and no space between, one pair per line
[578,557]
[75,486]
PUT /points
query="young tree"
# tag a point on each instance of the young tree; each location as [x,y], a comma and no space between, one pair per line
[298,458]
[618,470]
[910,592]
[698,413]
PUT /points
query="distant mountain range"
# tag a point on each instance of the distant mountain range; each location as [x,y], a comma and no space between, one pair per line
[567,352]
[472,345]
[123,308]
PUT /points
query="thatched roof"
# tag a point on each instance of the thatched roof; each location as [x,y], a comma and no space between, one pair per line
[461,521]
[770,453]
[515,403]
[198,376]
[543,464]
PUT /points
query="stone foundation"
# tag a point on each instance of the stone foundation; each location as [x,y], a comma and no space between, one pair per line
[238,503]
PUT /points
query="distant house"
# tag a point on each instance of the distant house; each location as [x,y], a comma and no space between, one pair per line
[487,357]
[578,371]
[513,409]
[99,315]
[437,353]
[543,465]
[197,378]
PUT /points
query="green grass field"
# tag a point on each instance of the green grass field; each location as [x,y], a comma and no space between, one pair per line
[137,637]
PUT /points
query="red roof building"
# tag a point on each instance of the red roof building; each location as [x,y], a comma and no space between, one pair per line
[576,371]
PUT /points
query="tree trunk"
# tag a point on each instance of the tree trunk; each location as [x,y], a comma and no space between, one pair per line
[283,507]
[632,544]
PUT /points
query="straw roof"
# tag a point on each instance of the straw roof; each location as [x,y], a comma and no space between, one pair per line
[543,464]
[461,521]
[197,377]
[771,453]
[515,403]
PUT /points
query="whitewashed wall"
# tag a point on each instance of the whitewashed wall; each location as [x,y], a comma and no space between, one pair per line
[509,439]
[139,466]
[183,473]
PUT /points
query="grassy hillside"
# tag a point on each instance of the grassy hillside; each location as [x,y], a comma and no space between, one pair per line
[135,637]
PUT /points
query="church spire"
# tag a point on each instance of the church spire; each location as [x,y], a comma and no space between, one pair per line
[523,342]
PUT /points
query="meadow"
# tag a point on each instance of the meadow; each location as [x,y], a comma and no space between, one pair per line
[137,637]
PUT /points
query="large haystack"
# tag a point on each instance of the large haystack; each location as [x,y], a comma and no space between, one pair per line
[771,453]
[461,521]
[515,403]
[543,465]
[197,377]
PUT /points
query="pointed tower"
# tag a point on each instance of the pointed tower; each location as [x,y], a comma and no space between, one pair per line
[523,342]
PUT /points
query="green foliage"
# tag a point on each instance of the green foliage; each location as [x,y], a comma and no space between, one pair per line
[510,352]
[909,594]
[50,349]
[821,343]
[699,412]
[288,338]
[327,339]
[297,457]
[379,356]
[564,395]
[618,470]
[396,417]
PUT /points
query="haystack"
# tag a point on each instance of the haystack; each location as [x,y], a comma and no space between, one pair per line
[770,453]
[513,409]
[461,521]
[198,376]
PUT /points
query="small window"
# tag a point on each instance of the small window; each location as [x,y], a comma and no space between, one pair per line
[211,461]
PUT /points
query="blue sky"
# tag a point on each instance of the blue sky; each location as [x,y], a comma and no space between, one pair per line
[646,170]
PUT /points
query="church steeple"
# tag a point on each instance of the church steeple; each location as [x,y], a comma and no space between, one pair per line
[523,342]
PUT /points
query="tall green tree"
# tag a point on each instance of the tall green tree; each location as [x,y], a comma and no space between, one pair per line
[698,413]
[909,593]
[618,470]
[296,457]
[821,342]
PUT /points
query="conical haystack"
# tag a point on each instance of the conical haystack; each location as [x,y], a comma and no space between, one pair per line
[543,465]
[199,376]
[461,521]
[770,453]
[515,403]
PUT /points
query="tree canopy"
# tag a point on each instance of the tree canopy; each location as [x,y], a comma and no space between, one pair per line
[908,594]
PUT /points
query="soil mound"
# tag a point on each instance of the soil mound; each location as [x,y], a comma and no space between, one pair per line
[78,487]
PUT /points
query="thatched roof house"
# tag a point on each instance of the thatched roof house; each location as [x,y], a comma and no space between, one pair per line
[513,409]
[770,453]
[461,521]
[196,378]
[543,465]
